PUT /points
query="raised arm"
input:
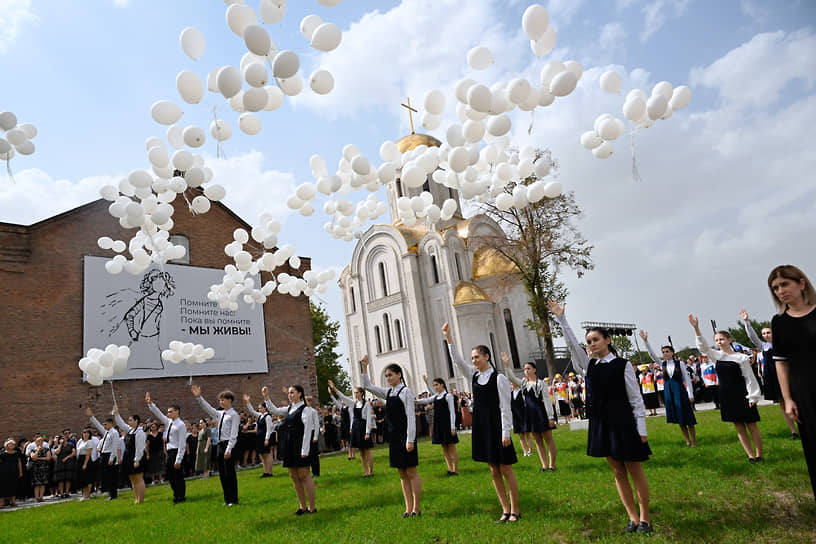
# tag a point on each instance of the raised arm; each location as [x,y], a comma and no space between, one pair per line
[703,347]
[505,359]
[652,353]
[466,368]
[348,400]
[426,400]
[156,412]
[579,355]
[367,385]
[749,330]
[251,409]
[428,385]
[121,423]
[95,422]
[196,390]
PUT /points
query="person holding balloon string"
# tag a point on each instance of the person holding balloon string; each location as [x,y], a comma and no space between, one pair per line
[617,416]
[444,422]
[295,443]
[678,391]
[739,389]
[109,453]
[362,422]
[229,424]
[492,419]
[539,417]
[133,460]
[401,421]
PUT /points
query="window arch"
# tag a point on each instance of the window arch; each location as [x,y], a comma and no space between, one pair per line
[377,338]
[399,187]
[511,337]
[448,358]
[458,267]
[387,330]
[434,269]
[353,302]
[383,279]
[398,333]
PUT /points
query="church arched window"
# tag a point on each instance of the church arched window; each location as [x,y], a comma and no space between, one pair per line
[448,358]
[458,267]
[353,302]
[383,282]
[377,338]
[398,333]
[434,269]
[511,337]
[387,330]
[399,188]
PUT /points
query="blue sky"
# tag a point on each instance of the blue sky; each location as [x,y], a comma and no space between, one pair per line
[727,188]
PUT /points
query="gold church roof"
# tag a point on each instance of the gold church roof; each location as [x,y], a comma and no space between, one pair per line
[412,236]
[412,141]
[468,293]
[488,262]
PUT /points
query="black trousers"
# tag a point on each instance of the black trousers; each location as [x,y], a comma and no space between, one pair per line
[315,459]
[175,476]
[110,475]
[226,472]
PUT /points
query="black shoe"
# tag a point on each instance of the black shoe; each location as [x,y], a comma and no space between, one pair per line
[752,460]
[406,515]
[176,501]
[631,527]
[312,511]
[514,518]
[265,475]
[543,469]
[795,436]
[552,469]
[416,514]
[504,517]
[300,512]
[645,528]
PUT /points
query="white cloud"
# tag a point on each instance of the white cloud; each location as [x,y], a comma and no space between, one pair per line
[755,11]
[14,14]
[612,36]
[755,73]
[562,11]
[657,12]
[122,3]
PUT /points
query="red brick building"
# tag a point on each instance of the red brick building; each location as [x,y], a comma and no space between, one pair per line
[41,324]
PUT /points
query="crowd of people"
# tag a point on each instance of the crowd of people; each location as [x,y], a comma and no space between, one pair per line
[612,393]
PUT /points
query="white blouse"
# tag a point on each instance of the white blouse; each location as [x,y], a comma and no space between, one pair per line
[368,411]
[539,388]
[406,396]
[451,408]
[670,370]
[744,362]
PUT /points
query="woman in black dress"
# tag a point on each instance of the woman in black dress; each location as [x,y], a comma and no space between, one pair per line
[739,389]
[362,423]
[133,460]
[295,444]
[401,422]
[86,467]
[617,416]
[444,423]
[492,419]
[40,464]
[794,334]
[264,427]
[155,454]
[64,467]
[11,473]
[517,407]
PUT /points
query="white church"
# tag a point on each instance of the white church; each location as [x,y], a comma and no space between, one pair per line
[403,283]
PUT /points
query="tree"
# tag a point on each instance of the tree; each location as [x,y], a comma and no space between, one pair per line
[540,239]
[327,365]
[741,337]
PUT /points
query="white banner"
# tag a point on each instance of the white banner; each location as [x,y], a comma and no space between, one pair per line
[149,310]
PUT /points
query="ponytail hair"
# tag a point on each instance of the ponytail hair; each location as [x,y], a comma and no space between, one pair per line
[484,350]
[603,331]
[394,367]
[441,382]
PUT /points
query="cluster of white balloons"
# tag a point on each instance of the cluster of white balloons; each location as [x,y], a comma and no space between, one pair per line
[101,364]
[18,137]
[639,110]
[239,281]
[187,352]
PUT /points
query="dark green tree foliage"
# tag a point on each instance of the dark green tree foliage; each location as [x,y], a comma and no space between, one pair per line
[741,337]
[327,361]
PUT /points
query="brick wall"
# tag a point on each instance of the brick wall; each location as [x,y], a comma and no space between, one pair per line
[41,324]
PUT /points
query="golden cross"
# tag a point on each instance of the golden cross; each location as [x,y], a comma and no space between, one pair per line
[410,109]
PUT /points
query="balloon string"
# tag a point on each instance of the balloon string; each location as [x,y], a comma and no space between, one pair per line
[8,167]
[113,393]
[218,150]
[635,172]
[532,120]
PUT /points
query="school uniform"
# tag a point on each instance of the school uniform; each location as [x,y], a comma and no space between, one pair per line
[229,423]
[85,474]
[135,440]
[678,390]
[314,448]
[264,427]
[738,384]
[175,431]
[362,421]
[614,406]
[771,391]
[108,449]
[517,408]
[400,420]
[444,418]
[492,417]
[537,411]
[294,433]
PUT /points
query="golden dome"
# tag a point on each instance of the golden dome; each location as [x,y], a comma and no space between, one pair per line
[415,140]
[489,262]
[468,293]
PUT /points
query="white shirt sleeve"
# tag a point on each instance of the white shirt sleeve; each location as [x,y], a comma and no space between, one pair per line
[751,383]
[98,426]
[503,386]
[579,355]
[635,399]
[407,397]
[687,381]
[426,400]
[159,415]
[251,409]
[512,377]
[451,410]
[754,337]
[467,369]
[375,389]
[348,400]
[216,414]
[272,409]
[181,437]
[140,440]
[713,355]
[308,428]
[368,415]
[652,352]
[336,402]
[270,426]
[234,428]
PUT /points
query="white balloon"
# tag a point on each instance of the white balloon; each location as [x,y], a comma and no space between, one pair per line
[29,130]
[192,42]
[479,98]
[190,87]
[668,113]
[308,25]
[228,81]
[550,70]
[590,140]
[611,82]
[182,160]
[656,106]
[634,108]
[681,96]
[8,155]
[194,136]
[326,37]
[274,98]
[257,40]
[212,81]
[504,202]
[25,148]
[603,151]
[7,120]
[459,159]
[552,189]
[254,99]
[535,21]
[291,86]
[663,88]
[542,167]
[240,16]
[140,179]
[108,192]
[434,102]
[255,74]
[15,136]
[597,124]
[480,58]
[609,129]
[431,121]
[321,81]
[220,130]
[389,151]
[499,125]
[360,165]
[214,192]
[412,176]
[272,11]
[563,83]
[545,97]
[473,131]
[518,90]
[545,43]
[249,123]
[575,67]
[200,204]
[165,112]
[158,157]
[286,64]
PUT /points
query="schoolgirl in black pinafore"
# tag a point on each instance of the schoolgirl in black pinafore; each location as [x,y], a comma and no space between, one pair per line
[397,421]
[130,453]
[291,439]
[675,396]
[770,380]
[441,433]
[535,413]
[734,405]
[260,433]
[345,424]
[358,430]
[612,428]
[487,432]
[517,408]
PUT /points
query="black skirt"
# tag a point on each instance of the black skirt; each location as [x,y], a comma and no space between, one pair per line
[651,400]
[734,405]
[358,439]
[441,432]
[260,447]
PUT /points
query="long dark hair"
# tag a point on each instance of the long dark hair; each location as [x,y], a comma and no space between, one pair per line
[605,333]
[394,367]
[299,389]
[441,382]
[484,350]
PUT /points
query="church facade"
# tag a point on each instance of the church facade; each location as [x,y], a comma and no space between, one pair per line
[403,283]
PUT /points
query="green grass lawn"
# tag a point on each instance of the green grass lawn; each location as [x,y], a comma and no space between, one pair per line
[707,494]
